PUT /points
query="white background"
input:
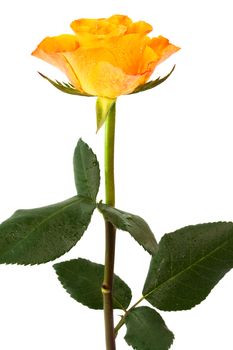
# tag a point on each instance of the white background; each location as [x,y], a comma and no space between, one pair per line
[174,167]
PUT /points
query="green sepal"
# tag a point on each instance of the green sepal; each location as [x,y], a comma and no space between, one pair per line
[103,108]
[86,171]
[68,88]
[83,280]
[146,330]
[133,224]
[189,263]
[36,236]
[152,84]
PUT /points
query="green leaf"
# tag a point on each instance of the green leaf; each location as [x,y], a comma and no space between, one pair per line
[40,235]
[189,263]
[86,171]
[146,330]
[152,84]
[103,108]
[65,87]
[83,280]
[133,224]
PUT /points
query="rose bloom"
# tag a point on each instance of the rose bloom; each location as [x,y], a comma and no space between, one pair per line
[106,57]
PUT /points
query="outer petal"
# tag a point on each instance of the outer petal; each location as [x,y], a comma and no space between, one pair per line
[163,48]
[128,51]
[52,50]
[101,76]
[110,81]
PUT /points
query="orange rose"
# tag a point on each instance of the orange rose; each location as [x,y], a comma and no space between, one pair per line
[106,57]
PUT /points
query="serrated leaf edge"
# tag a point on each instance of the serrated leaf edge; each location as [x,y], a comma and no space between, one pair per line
[64,285]
[80,141]
[186,269]
[100,204]
[19,242]
[164,325]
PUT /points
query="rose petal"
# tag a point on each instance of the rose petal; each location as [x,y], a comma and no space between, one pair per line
[163,48]
[102,76]
[52,50]
[93,32]
[128,51]
[149,61]
[139,27]
[109,81]
[120,20]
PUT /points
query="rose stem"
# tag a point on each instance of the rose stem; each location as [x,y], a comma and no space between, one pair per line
[110,230]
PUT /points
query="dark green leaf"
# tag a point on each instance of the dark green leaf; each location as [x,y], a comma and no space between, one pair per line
[146,330]
[133,224]
[86,171]
[65,87]
[152,84]
[189,263]
[83,280]
[103,108]
[39,235]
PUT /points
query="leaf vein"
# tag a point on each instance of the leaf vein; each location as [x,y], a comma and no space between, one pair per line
[209,255]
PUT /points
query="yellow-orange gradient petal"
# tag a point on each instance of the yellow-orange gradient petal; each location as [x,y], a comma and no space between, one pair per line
[120,20]
[60,43]
[52,50]
[163,48]
[92,32]
[148,63]
[128,51]
[110,81]
[101,76]
[139,27]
